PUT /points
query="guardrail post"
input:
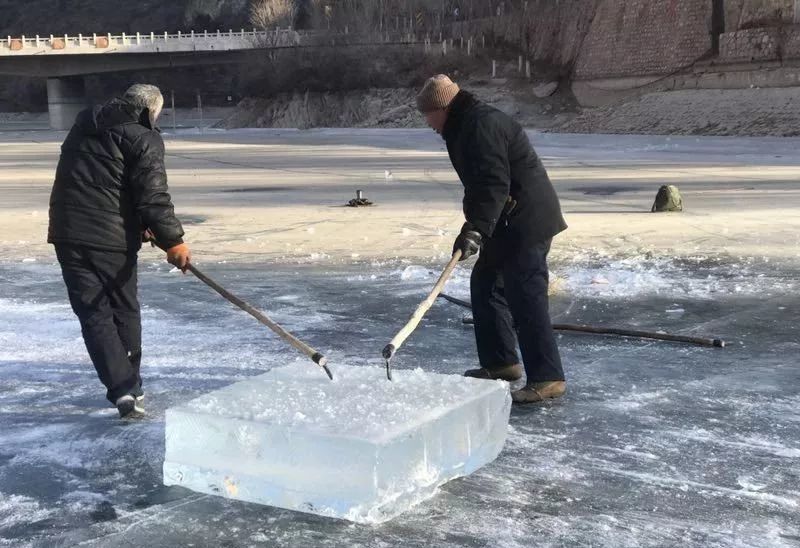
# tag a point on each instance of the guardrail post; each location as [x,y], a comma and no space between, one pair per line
[242,33]
[123,38]
[179,36]
[109,39]
[230,33]
[205,34]
[80,39]
[192,35]
[23,40]
[152,37]
[219,34]
[138,38]
[166,37]
[174,116]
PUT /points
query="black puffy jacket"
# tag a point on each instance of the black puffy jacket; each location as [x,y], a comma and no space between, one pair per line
[495,161]
[111,183]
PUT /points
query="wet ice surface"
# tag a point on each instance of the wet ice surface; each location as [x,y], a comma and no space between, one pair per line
[656,444]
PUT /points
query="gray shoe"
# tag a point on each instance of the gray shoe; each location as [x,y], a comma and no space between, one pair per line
[539,392]
[508,373]
[130,407]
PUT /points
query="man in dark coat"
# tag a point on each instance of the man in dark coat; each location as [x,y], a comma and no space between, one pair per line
[512,214]
[110,194]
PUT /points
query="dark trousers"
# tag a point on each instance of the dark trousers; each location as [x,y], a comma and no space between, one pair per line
[102,291]
[509,299]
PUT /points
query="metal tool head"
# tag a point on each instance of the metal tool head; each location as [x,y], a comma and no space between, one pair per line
[388,354]
[322,361]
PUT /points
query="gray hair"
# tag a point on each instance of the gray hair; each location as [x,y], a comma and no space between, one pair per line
[145,96]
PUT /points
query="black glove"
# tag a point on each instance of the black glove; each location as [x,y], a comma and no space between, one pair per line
[469,241]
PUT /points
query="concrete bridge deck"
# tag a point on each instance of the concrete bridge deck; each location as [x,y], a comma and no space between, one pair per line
[64,60]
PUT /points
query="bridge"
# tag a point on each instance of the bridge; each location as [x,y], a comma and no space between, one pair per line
[65,60]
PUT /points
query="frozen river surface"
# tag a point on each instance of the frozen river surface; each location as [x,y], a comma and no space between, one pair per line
[656,444]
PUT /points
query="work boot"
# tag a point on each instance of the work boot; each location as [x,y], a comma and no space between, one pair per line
[508,373]
[539,392]
[130,407]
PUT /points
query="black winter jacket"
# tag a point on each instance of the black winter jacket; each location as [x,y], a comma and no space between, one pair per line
[494,160]
[111,183]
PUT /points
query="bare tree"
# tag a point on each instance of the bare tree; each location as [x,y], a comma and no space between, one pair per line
[265,14]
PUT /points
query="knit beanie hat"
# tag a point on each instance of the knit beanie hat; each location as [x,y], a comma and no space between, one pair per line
[437,93]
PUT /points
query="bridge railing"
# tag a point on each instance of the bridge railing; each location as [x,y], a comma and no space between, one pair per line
[25,45]
[206,41]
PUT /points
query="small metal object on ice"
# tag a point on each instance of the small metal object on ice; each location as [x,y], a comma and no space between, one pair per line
[355,448]
[359,200]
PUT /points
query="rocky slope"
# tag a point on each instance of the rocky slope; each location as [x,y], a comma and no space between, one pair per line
[744,112]
[393,108]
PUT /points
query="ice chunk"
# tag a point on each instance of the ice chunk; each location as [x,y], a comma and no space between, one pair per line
[359,448]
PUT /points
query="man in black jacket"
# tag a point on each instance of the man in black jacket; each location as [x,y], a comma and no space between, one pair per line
[110,194]
[512,213]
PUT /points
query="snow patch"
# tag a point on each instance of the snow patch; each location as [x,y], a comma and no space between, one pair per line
[18,509]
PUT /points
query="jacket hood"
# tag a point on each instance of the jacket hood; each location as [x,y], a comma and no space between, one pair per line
[116,112]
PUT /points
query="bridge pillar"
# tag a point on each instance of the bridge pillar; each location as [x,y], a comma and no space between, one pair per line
[66,97]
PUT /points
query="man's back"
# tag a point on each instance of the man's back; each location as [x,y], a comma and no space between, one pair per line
[110,179]
[495,160]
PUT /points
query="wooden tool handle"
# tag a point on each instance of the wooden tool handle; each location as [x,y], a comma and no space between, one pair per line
[422,309]
[701,341]
[315,356]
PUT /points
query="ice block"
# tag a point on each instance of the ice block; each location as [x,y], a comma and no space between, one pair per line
[359,448]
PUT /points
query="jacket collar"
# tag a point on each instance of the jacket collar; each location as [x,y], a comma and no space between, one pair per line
[456,112]
[120,112]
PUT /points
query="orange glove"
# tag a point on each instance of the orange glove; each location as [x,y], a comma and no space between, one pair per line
[179,256]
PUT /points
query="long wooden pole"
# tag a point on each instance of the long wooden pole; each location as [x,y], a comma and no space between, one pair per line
[315,356]
[702,341]
[398,340]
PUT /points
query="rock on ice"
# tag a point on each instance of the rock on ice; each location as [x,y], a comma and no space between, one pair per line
[359,448]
